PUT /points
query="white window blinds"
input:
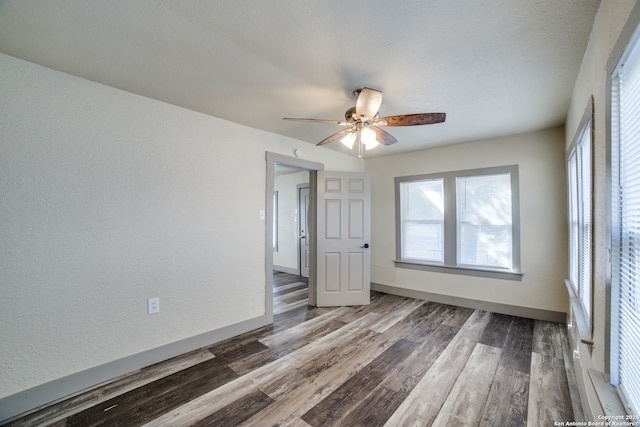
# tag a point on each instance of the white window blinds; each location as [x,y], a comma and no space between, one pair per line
[574,225]
[580,222]
[625,168]
[584,180]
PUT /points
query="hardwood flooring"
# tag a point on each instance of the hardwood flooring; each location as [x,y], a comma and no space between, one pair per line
[395,362]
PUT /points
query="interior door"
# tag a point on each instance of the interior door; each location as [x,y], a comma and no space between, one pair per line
[343,232]
[303,230]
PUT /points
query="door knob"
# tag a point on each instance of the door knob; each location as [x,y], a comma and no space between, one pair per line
[365,246]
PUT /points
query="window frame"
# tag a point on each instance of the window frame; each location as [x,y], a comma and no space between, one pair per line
[577,284]
[628,44]
[450,264]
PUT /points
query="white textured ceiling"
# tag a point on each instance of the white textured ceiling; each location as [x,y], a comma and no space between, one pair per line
[496,67]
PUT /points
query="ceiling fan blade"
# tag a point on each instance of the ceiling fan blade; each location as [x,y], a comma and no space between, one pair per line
[382,136]
[337,135]
[368,103]
[334,122]
[411,119]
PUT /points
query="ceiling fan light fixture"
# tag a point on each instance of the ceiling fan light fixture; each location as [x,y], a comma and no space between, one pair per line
[364,124]
[349,139]
[371,144]
[368,138]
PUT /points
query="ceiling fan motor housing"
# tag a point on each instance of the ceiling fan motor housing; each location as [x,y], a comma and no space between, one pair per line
[350,115]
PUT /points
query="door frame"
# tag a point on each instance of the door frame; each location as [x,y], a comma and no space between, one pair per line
[299,188]
[297,163]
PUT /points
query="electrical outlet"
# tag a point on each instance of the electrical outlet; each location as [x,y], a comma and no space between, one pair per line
[153,305]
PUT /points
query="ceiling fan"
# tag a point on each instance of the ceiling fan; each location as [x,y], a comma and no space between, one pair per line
[364,123]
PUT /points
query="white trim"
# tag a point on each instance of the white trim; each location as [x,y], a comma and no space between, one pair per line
[271,160]
[467,271]
[451,264]
[512,310]
[582,284]
[584,329]
[284,269]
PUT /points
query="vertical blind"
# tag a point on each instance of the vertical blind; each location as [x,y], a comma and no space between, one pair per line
[626,228]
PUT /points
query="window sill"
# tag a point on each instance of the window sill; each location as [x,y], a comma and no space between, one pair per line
[583,325]
[493,274]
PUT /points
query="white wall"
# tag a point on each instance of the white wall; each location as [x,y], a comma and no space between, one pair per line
[543,219]
[108,199]
[592,81]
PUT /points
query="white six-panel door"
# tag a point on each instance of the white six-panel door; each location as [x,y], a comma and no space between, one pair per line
[343,230]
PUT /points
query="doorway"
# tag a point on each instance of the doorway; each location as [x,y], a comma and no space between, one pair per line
[280,234]
[337,232]
[290,237]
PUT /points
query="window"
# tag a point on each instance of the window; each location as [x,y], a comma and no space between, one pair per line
[484,221]
[580,220]
[422,220]
[625,231]
[462,222]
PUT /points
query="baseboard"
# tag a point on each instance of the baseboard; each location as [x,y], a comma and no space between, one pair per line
[284,269]
[527,312]
[45,394]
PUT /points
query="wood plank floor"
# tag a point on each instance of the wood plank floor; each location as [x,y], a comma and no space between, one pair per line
[396,362]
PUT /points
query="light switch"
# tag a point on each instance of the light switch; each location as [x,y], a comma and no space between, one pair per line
[153,305]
